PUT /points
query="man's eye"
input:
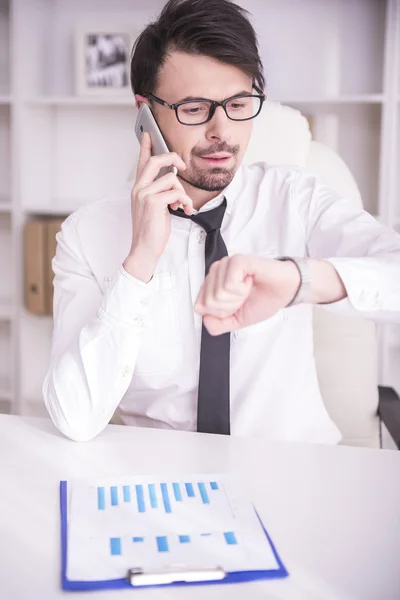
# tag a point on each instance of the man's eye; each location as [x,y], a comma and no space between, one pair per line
[193,110]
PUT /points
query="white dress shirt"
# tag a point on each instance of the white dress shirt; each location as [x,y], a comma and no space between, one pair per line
[120,342]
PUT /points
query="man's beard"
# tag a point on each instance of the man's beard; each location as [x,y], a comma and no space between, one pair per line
[214,179]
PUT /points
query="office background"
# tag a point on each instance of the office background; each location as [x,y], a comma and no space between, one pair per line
[65,142]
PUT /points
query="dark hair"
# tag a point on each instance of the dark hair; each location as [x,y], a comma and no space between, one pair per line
[216,28]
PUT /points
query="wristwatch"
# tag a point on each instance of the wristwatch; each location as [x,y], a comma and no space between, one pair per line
[303,267]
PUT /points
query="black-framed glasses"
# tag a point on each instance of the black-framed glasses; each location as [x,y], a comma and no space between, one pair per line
[198,111]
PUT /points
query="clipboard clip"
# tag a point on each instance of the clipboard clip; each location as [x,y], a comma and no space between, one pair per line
[173,574]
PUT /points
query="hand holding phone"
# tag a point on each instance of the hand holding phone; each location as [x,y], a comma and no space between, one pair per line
[150,197]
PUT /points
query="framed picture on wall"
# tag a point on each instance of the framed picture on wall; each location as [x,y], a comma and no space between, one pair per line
[102,62]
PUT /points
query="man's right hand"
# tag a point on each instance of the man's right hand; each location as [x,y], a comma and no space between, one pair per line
[151,224]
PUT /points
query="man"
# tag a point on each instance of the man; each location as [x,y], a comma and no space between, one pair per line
[130,270]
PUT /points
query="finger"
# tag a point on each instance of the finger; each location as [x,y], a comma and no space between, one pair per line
[163,184]
[212,298]
[167,183]
[218,326]
[229,288]
[210,284]
[155,163]
[145,153]
[220,293]
[200,304]
[172,198]
[235,273]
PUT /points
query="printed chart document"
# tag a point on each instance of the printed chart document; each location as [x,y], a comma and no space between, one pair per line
[154,523]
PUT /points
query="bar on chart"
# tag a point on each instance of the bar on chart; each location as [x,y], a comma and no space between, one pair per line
[189,490]
[203,493]
[140,498]
[153,495]
[162,543]
[114,495]
[126,490]
[184,539]
[230,537]
[101,498]
[214,485]
[177,492]
[137,540]
[165,497]
[115,546]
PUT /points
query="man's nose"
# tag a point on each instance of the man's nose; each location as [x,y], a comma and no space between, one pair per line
[218,126]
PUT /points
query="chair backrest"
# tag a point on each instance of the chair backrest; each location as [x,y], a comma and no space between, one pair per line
[345,347]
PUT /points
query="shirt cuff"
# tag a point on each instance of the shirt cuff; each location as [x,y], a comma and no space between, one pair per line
[127,300]
[363,283]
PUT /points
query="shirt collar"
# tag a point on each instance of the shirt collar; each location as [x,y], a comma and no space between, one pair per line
[231,192]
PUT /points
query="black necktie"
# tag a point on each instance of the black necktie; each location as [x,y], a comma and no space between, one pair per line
[213,414]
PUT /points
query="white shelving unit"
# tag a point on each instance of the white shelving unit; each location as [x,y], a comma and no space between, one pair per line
[337,60]
[8,291]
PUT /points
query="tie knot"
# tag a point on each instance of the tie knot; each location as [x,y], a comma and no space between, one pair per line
[209,220]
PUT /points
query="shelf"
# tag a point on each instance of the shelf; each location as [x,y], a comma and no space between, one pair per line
[5,208]
[5,395]
[356,99]
[5,391]
[6,312]
[5,100]
[83,101]
[54,211]
[129,102]
[34,407]
[5,406]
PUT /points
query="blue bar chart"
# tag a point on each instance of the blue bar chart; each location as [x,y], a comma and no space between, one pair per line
[153,521]
[148,498]
[162,542]
[156,495]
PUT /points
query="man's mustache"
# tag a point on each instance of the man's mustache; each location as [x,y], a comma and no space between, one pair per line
[215,148]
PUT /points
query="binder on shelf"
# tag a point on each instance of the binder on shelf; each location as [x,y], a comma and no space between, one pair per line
[34,267]
[39,249]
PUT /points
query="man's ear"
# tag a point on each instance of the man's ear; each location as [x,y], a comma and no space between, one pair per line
[140,99]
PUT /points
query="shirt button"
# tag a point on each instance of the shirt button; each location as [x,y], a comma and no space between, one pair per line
[125,371]
[201,237]
[145,302]
[138,321]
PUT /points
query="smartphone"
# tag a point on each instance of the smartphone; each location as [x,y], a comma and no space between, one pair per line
[146,122]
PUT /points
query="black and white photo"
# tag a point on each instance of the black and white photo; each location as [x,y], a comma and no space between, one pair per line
[103,62]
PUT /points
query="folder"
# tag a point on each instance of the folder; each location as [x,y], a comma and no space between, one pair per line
[39,250]
[160,524]
[35,238]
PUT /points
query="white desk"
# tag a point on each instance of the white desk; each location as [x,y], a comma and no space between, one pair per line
[333,512]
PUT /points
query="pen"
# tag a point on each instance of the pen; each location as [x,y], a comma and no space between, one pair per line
[138,576]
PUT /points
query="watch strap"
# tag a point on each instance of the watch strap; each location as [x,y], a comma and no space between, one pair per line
[303,267]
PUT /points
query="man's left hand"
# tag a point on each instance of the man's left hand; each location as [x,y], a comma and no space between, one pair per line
[242,290]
